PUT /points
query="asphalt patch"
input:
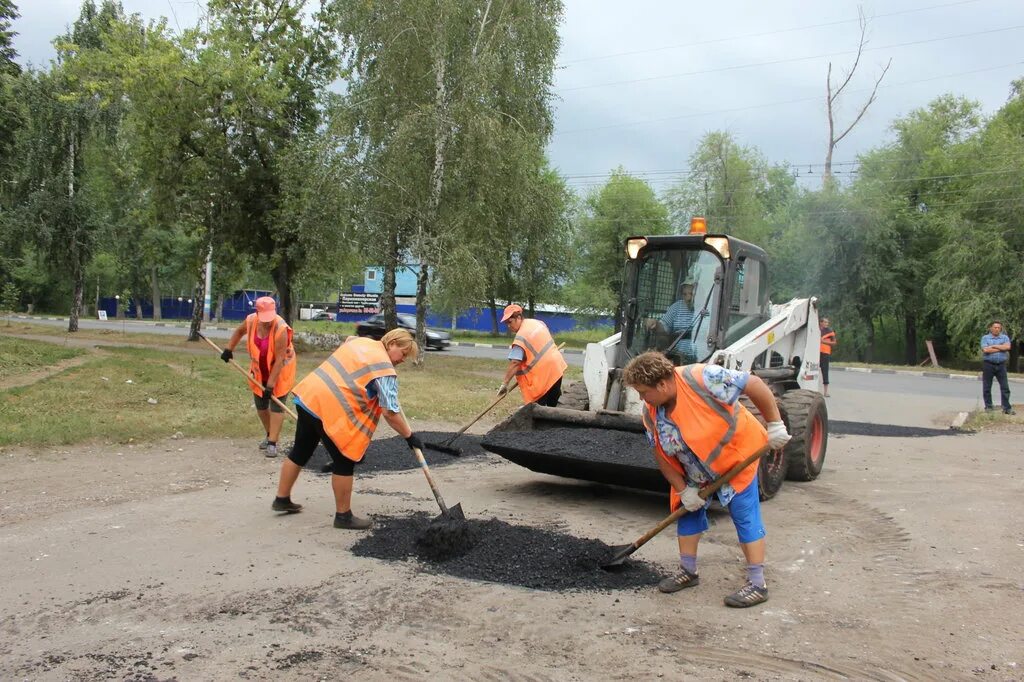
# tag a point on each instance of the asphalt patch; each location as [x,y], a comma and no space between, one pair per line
[499,552]
[393,454]
[841,428]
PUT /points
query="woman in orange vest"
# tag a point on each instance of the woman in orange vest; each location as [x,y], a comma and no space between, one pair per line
[339,404]
[271,363]
[828,340]
[699,432]
[534,360]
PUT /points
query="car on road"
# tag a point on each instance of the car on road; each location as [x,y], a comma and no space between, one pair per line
[322,315]
[375,329]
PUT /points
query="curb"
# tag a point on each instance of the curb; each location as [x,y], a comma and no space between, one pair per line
[906,372]
[467,344]
[133,320]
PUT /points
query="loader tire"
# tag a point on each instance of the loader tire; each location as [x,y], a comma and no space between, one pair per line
[771,470]
[574,397]
[806,418]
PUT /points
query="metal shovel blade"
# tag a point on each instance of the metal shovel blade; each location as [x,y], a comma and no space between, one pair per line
[619,555]
[454,514]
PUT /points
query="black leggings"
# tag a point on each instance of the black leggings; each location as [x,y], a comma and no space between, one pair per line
[825,359]
[309,432]
[550,399]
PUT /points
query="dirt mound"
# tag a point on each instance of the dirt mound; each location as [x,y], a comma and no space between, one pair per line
[499,552]
[393,454]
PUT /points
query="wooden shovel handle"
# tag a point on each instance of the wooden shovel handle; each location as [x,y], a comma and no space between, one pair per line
[705,493]
[241,369]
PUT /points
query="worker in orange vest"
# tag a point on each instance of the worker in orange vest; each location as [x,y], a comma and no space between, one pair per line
[828,342]
[534,360]
[271,363]
[699,432]
[339,404]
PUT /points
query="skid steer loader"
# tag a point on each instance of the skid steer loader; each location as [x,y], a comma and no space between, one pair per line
[729,321]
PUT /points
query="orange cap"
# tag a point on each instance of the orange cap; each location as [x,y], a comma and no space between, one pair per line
[266,309]
[511,310]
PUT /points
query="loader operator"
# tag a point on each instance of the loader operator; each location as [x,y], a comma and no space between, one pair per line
[534,360]
[679,320]
[699,432]
[271,363]
[339,405]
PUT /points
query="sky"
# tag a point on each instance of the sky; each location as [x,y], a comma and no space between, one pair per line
[639,83]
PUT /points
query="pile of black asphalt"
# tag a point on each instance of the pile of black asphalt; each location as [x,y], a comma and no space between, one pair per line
[844,428]
[498,552]
[393,454]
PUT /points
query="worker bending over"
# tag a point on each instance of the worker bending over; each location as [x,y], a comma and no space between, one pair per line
[700,432]
[339,405]
[534,360]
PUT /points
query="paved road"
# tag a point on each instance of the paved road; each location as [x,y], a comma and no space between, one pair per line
[907,400]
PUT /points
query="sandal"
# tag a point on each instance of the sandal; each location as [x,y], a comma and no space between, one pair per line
[748,595]
[679,581]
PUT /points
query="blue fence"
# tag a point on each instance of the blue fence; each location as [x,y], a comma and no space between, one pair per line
[237,307]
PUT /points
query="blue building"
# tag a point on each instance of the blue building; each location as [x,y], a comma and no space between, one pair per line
[405,280]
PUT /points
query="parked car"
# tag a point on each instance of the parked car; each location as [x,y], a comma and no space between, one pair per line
[322,315]
[374,328]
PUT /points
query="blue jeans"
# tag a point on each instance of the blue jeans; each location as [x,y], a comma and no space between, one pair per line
[997,370]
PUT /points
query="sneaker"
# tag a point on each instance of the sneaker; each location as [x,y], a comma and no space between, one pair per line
[264,443]
[679,581]
[748,595]
[286,506]
[1009,411]
[271,450]
[351,522]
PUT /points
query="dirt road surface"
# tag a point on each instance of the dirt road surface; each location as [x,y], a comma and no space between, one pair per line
[164,562]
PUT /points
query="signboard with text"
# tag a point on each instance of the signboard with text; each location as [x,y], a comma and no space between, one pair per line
[359,303]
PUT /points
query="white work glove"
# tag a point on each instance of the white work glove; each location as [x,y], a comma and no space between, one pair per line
[503,389]
[691,499]
[778,436]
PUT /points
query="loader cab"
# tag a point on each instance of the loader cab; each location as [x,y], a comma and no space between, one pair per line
[690,295]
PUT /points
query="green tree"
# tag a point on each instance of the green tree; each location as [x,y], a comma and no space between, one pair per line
[625,206]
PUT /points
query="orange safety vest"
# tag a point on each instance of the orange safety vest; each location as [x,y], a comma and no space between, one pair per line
[825,348]
[286,377]
[720,435]
[336,392]
[543,363]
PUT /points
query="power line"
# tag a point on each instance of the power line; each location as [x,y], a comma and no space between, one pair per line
[788,60]
[761,34]
[813,98]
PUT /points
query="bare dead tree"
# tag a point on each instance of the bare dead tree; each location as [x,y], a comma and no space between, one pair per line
[833,96]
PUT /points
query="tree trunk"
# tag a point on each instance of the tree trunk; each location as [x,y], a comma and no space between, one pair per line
[869,331]
[76,298]
[530,305]
[138,306]
[283,281]
[197,304]
[387,299]
[220,307]
[421,312]
[910,339]
[154,284]
[494,315]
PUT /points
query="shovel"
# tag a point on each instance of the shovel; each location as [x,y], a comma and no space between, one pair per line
[237,366]
[447,513]
[622,552]
[446,446]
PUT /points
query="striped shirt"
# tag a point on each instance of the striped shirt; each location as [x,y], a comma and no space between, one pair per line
[384,387]
[678,318]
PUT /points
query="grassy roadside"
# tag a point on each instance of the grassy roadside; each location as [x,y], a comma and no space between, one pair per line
[108,397]
[20,356]
[166,340]
[996,420]
[918,368]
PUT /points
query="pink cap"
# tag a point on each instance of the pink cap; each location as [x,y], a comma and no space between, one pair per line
[266,309]
[511,310]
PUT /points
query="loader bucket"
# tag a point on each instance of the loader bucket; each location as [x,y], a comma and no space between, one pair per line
[603,447]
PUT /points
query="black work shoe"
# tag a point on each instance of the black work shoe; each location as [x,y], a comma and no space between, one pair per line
[748,595]
[679,581]
[1010,411]
[351,522]
[286,506]
[990,409]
